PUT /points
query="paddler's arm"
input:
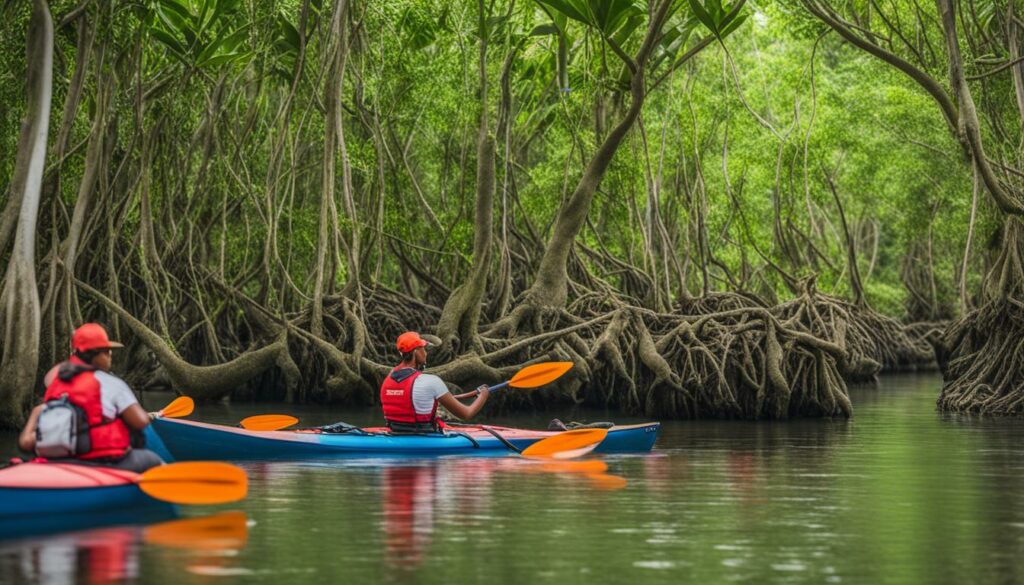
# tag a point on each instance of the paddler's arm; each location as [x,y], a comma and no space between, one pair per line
[475,392]
[27,439]
[464,411]
[135,417]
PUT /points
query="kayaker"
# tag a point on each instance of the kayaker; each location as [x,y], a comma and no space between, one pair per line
[410,397]
[88,414]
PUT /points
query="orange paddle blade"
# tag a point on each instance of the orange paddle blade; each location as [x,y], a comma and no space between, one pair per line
[539,374]
[179,407]
[606,481]
[590,466]
[198,482]
[227,530]
[268,422]
[567,445]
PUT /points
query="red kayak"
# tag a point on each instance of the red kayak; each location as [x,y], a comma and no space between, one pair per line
[65,488]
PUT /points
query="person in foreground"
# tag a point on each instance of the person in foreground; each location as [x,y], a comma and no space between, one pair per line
[410,397]
[88,414]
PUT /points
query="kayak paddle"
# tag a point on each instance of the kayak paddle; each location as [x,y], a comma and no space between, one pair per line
[179,407]
[535,375]
[268,422]
[183,406]
[196,482]
[567,444]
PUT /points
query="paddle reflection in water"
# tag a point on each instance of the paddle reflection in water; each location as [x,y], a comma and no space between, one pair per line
[112,554]
[417,494]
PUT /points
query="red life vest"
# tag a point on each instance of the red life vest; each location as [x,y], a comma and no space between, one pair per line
[396,398]
[109,438]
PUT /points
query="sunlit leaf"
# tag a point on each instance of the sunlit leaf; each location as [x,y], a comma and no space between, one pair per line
[702,15]
[736,22]
[168,40]
[218,60]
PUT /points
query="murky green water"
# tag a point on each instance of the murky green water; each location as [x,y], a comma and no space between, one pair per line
[900,494]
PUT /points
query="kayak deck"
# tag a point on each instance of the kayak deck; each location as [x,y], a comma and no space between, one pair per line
[185,440]
[66,488]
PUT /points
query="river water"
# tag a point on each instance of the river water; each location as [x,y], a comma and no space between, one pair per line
[898,494]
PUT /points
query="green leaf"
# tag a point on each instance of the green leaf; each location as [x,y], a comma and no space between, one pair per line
[609,15]
[574,9]
[223,8]
[544,29]
[736,22]
[442,21]
[231,42]
[204,8]
[168,40]
[714,8]
[178,8]
[171,19]
[702,15]
[627,29]
[218,60]
[289,34]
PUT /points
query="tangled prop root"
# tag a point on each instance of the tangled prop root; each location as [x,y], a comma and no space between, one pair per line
[982,360]
[982,355]
[873,342]
[735,364]
[716,302]
[738,363]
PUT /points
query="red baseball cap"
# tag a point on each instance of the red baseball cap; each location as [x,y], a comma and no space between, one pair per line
[409,341]
[91,336]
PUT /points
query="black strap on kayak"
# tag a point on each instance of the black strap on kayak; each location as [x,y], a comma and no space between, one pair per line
[339,428]
[464,435]
[503,440]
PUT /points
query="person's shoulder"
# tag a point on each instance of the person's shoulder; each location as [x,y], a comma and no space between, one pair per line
[432,382]
[425,378]
[108,380]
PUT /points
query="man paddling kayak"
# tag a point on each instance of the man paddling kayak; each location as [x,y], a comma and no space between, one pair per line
[87,413]
[410,397]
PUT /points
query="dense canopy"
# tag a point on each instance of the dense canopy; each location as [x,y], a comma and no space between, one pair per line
[713,209]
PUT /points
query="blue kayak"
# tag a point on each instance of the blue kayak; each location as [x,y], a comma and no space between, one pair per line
[185,440]
[37,489]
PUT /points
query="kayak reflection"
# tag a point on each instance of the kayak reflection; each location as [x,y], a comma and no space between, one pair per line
[111,554]
[417,494]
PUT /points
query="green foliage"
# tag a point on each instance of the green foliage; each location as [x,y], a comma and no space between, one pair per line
[217,76]
[200,33]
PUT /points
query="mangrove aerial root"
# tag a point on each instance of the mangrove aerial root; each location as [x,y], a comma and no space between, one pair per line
[982,360]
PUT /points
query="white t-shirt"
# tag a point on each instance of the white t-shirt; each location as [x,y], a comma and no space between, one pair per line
[115,395]
[425,390]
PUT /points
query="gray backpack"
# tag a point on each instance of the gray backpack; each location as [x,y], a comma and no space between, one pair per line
[62,430]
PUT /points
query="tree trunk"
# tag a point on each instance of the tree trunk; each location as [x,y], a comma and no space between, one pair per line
[332,101]
[851,249]
[968,125]
[1013,30]
[551,286]
[461,315]
[19,301]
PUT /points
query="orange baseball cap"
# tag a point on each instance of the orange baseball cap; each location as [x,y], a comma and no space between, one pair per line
[409,341]
[91,336]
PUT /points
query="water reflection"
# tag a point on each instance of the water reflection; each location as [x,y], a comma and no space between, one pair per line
[115,553]
[415,494]
[898,494]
